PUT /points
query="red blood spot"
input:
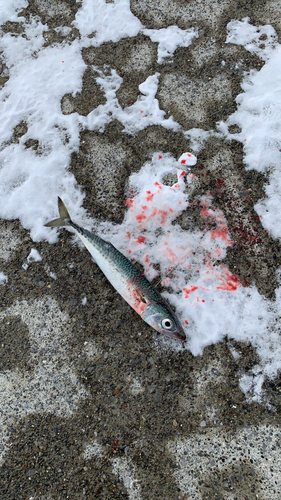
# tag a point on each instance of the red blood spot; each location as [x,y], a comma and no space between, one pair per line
[171,210]
[203,301]
[204,212]
[171,256]
[144,207]
[221,232]
[160,157]
[149,196]
[141,111]
[183,172]
[140,217]
[158,184]
[128,234]
[62,61]
[186,322]
[191,176]
[129,251]
[163,214]
[177,185]
[139,304]
[146,259]
[166,281]
[187,291]
[261,217]
[230,282]
[197,299]
[220,182]
[189,155]
[141,239]
[245,140]
[183,162]
[154,211]
[117,441]
[129,203]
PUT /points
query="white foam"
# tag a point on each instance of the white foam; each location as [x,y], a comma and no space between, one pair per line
[170,39]
[143,113]
[33,95]
[210,302]
[34,256]
[9,10]
[106,21]
[258,115]
[3,278]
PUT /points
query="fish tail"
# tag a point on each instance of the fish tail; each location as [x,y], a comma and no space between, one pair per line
[64,219]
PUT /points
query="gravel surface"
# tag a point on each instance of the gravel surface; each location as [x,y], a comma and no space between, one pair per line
[89,408]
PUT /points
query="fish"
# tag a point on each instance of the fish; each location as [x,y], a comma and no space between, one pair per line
[125,277]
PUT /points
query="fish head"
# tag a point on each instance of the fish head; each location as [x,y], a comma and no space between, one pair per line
[164,320]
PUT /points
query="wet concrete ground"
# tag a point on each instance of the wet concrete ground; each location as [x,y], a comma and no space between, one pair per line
[89,408]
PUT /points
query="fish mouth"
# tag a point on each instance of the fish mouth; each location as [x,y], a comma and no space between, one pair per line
[177,336]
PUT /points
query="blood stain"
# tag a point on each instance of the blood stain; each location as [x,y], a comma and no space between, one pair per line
[221,232]
[141,239]
[186,322]
[163,214]
[158,184]
[160,157]
[183,162]
[129,203]
[187,291]
[230,282]
[183,172]
[128,234]
[150,196]
[146,259]
[204,212]
[140,217]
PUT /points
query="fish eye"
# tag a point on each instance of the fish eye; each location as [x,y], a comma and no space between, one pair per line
[167,323]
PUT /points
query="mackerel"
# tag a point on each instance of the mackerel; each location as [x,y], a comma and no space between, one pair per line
[125,277]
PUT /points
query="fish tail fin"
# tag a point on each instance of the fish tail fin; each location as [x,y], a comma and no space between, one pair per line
[64,218]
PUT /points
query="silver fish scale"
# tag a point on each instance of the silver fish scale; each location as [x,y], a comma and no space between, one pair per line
[122,265]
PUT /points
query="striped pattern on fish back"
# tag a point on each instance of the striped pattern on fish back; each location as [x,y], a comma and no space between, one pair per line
[121,264]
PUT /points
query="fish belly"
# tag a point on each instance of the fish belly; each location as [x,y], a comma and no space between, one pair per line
[115,276]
